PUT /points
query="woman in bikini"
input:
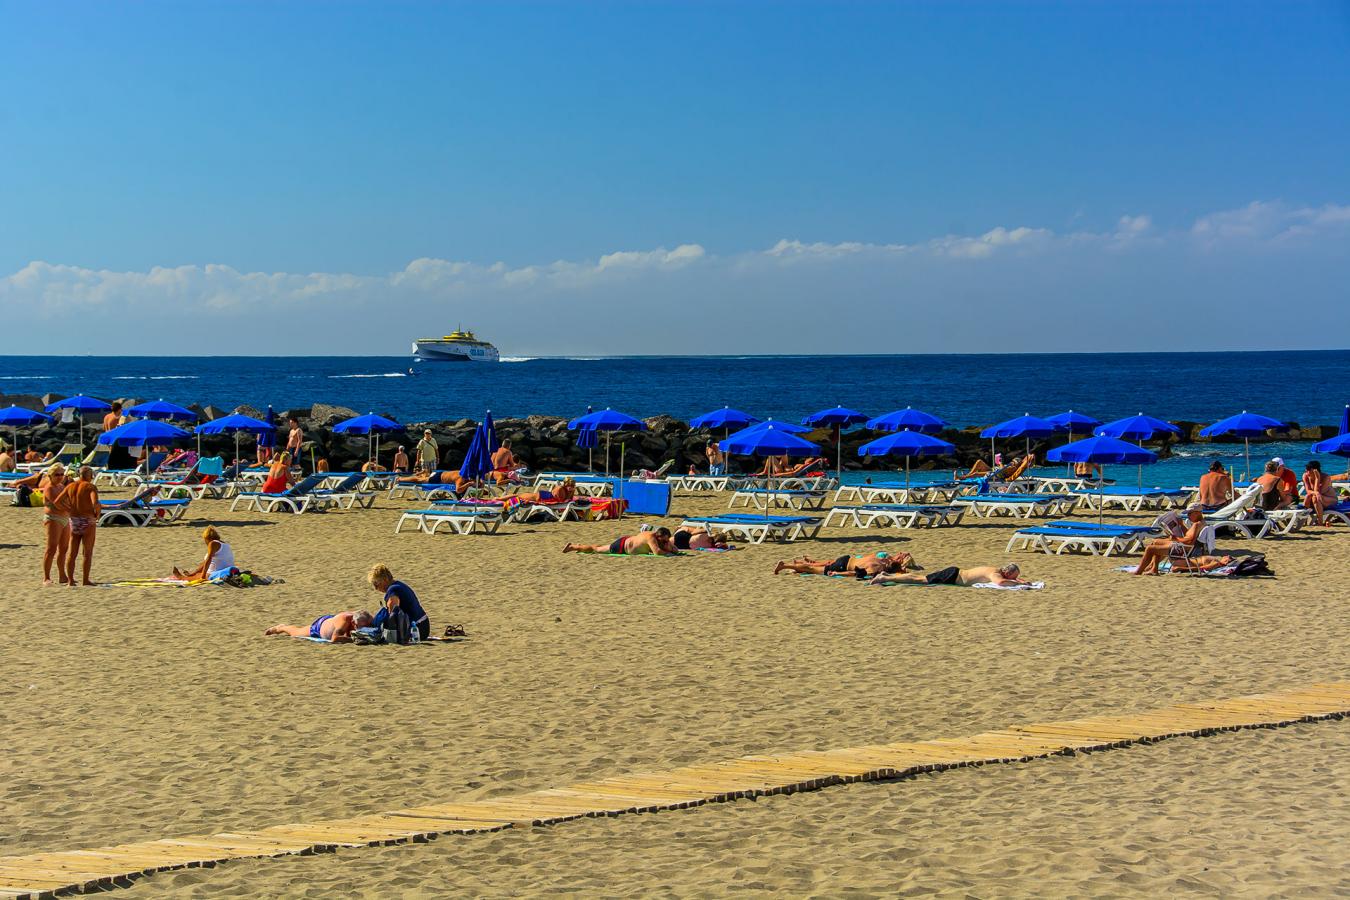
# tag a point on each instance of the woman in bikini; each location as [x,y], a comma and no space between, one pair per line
[1319,490]
[56,524]
[278,475]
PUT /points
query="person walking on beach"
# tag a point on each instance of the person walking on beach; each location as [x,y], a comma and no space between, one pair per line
[80,501]
[56,525]
[428,453]
[1216,486]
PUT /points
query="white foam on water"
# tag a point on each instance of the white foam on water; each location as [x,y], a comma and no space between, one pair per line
[155,377]
[374,375]
[518,359]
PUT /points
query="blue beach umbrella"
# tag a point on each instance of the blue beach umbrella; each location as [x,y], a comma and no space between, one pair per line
[369,424]
[1024,426]
[607,420]
[81,405]
[1074,422]
[1103,450]
[490,433]
[478,458]
[1244,425]
[725,418]
[268,439]
[907,419]
[772,424]
[1336,446]
[907,444]
[16,417]
[162,411]
[236,424]
[838,418]
[143,432]
[768,439]
[1137,428]
[1345,420]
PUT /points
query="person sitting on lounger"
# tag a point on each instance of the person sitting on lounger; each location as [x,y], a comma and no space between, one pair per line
[1216,486]
[1274,495]
[6,460]
[1003,576]
[1319,490]
[278,474]
[772,466]
[645,543]
[866,566]
[505,466]
[32,455]
[696,537]
[811,465]
[1159,549]
[336,628]
[563,493]
[219,558]
[978,469]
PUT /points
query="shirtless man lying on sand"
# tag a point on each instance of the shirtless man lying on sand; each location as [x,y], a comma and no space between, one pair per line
[1004,576]
[336,628]
[654,543]
[866,566]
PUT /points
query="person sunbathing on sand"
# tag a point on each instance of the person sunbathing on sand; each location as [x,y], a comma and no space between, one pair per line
[336,628]
[646,543]
[696,537]
[1003,576]
[867,565]
[219,558]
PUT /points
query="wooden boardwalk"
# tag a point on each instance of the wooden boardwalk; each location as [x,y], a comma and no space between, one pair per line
[71,871]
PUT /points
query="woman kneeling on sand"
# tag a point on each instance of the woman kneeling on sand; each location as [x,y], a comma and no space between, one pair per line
[219,558]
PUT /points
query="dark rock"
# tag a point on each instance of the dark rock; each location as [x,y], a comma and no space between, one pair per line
[250,411]
[326,416]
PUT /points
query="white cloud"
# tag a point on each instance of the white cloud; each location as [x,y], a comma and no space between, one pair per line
[925,291]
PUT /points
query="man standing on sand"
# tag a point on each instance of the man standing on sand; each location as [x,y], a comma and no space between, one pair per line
[1003,576]
[79,501]
[428,453]
[336,628]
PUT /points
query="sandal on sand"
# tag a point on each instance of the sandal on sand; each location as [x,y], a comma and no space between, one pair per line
[455,631]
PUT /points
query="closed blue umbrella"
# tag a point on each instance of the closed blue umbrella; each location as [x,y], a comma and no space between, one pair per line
[490,433]
[725,418]
[607,420]
[16,417]
[163,411]
[768,439]
[369,424]
[478,458]
[268,439]
[588,439]
[235,424]
[1345,420]
[1103,450]
[838,418]
[910,419]
[1244,425]
[81,405]
[907,444]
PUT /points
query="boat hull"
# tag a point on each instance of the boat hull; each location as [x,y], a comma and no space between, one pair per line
[444,351]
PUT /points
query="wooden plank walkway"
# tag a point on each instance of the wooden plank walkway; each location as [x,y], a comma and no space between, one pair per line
[71,871]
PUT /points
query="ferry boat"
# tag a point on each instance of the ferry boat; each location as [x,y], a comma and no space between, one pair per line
[458,346]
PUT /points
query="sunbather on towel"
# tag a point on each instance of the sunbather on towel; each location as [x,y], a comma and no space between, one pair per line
[696,537]
[335,628]
[219,558]
[1004,576]
[865,566]
[645,543]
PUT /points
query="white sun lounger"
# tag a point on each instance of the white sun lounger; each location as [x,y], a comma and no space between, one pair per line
[757,529]
[459,521]
[1063,536]
[143,514]
[896,515]
[1276,523]
[1019,506]
[1132,499]
[695,483]
[764,498]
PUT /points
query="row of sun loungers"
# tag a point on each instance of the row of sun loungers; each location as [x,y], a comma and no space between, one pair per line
[896,515]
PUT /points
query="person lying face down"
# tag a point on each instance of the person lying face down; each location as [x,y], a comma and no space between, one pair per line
[336,628]
[655,543]
[1003,576]
[865,566]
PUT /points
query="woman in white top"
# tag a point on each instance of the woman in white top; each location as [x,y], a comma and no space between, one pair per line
[219,557]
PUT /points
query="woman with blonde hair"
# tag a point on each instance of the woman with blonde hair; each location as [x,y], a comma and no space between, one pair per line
[55,522]
[278,474]
[219,558]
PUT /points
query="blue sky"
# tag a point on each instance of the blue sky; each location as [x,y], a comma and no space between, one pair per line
[299,157]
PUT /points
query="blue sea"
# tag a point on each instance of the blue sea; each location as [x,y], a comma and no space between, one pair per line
[1308,387]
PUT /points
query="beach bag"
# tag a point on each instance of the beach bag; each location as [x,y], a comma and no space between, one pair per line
[397,628]
[23,496]
[1250,566]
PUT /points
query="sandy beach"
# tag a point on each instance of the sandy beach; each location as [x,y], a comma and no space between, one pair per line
[141,712]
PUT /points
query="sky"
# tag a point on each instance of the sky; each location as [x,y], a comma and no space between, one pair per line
[683,178]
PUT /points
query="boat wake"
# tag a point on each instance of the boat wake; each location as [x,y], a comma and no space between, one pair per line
[155,377]
[374,375]
[518,359]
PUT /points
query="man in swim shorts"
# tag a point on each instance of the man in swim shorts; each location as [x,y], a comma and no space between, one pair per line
[336,628]
[1003,576]
[864,566]
[653,543]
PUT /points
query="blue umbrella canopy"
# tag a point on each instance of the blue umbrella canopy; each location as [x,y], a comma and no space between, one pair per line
[478,458]
[907,418]
[767,439]
[159,409]
[1074,422]
[839,416]
[1137,428]
[774,424]
[1345,420]
[142,432]
[18,417]
[726,417]
[80,403]
[906,443]
[1102,449]
[1336,446]
[367,424]
[490,433]
[607,420]
[269,438]
[1024,426]
[234,424]
[1244,425]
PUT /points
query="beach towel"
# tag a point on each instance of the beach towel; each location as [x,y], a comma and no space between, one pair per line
[1033,586]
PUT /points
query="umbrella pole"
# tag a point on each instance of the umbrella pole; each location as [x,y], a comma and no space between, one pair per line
[838,454]
[606,454]
[906,479]
[1248,442]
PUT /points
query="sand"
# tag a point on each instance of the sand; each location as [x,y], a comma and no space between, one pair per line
[167,713]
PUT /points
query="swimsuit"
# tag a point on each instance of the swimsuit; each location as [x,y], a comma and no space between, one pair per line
[682,539]
[949,575]
[619,545]
[315,629]
[839,566]
[80,525]
[56,519]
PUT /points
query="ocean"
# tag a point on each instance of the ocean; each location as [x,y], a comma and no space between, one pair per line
[1308,387]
